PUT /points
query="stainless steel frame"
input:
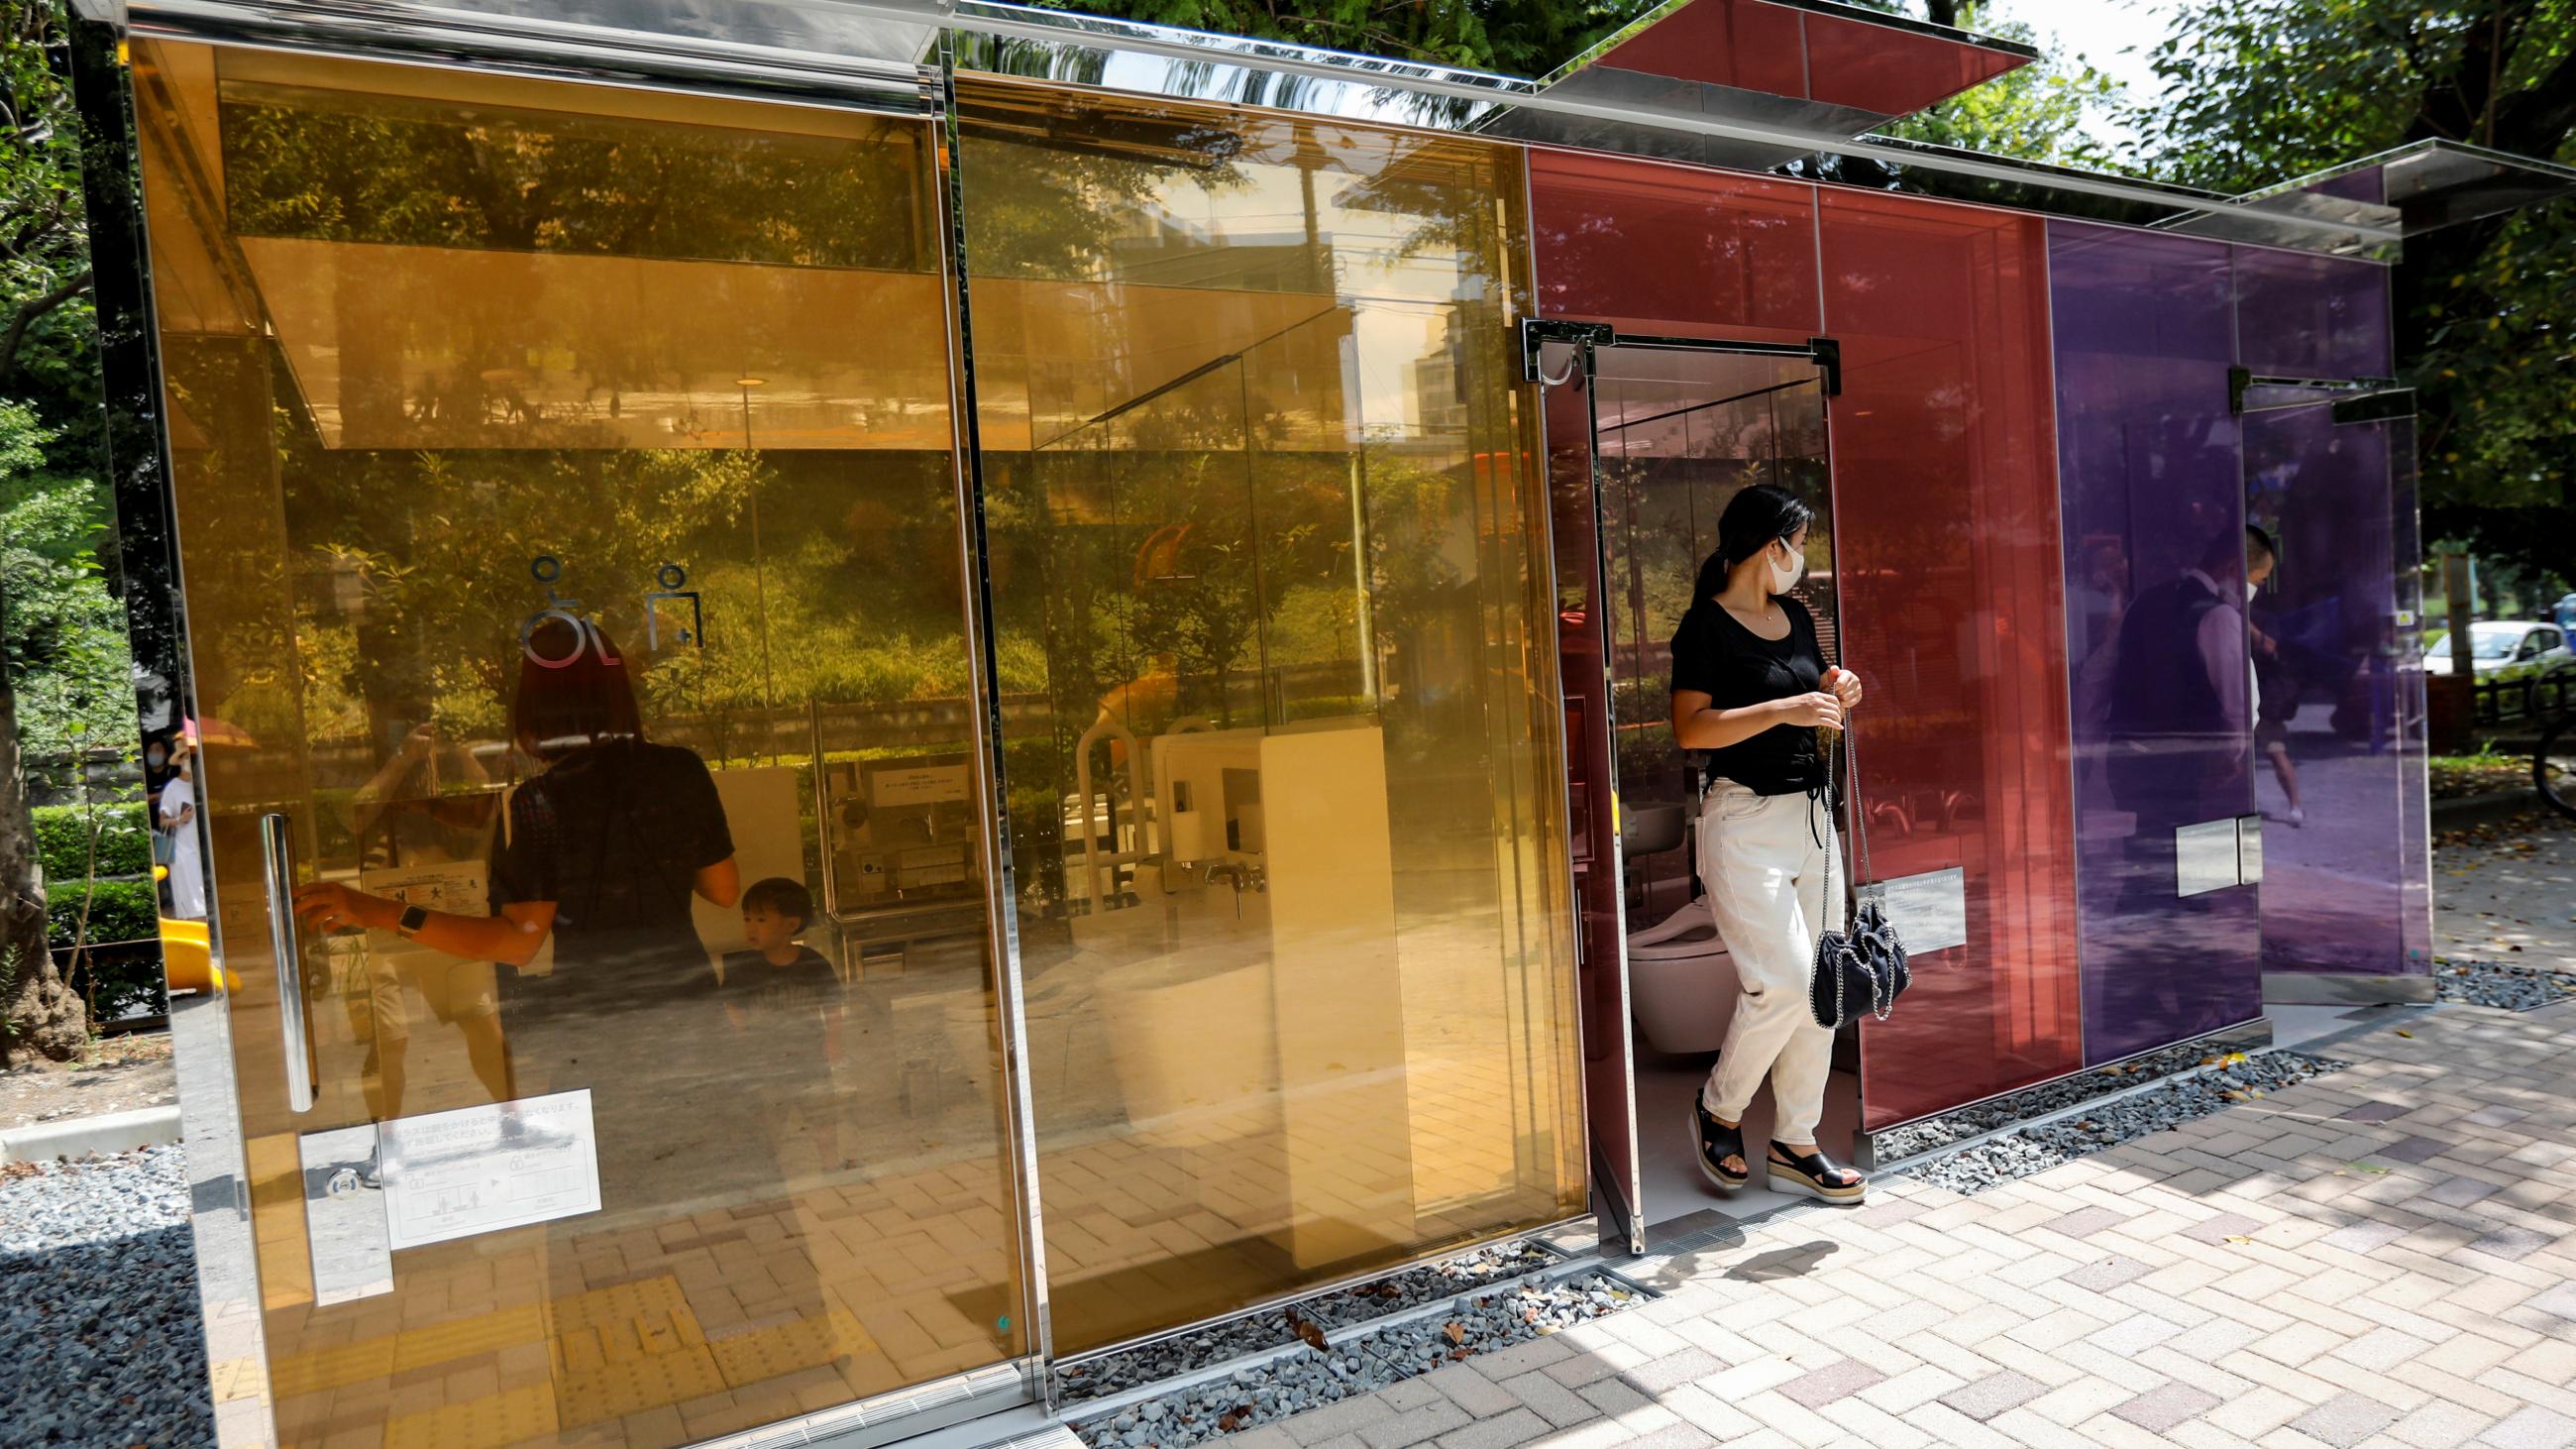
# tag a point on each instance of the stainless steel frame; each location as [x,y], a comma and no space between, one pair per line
[228,1274]
[1332,1285]
[277,857]
[749,45]
[755,49]
[984,672]
[895,1414]
[1587,340]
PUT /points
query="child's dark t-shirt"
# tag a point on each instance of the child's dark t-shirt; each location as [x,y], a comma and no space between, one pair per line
[782,1010]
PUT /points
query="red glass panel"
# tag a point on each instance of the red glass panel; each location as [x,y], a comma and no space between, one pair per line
[1889,71]
[1741,43]
[1945,489]
[1656,248]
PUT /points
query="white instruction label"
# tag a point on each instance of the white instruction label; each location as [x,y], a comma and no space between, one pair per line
[481,1169]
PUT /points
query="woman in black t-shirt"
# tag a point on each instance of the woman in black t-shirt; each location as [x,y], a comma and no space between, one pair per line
[598,855]
[1751,688]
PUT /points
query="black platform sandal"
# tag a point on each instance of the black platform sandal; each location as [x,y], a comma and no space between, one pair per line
[1718,1142]
[1816,1175]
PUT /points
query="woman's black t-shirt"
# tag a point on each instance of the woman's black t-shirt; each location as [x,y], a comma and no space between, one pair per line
[1714,654]
[614,834]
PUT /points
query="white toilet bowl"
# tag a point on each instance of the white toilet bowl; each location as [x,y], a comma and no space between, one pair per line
[1681,983]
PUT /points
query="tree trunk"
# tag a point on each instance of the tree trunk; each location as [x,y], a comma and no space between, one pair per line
[39,1015]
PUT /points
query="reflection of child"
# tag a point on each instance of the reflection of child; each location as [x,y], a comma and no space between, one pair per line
[784,1000]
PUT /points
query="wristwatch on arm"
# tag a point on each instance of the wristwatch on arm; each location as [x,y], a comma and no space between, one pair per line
[413,918]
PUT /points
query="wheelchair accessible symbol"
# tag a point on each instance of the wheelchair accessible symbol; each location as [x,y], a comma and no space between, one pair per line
[545,568]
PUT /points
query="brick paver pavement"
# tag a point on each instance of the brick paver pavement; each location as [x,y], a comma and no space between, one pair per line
[2380,1257]
[2509,895]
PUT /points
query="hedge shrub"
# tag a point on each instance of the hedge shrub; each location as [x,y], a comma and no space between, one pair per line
[62,841]
[117,982]
[120,910]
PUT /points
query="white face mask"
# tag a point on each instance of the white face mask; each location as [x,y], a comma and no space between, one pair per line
[1784,577]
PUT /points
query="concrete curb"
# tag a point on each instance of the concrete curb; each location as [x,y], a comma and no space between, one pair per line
[76,1136]
[2489,809]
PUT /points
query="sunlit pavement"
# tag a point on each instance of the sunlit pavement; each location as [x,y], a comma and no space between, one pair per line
[2508,895]
[2378,1257]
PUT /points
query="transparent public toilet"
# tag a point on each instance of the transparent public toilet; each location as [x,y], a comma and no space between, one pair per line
[1165,546]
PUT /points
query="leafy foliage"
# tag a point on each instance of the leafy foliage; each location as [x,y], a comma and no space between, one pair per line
[64,645]
[2035,113]
[119,910]
[62,840]
[46,326]
[2260,90]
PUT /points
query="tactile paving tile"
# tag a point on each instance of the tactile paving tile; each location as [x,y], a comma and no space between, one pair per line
[630,1385]
[482,1422]
[786,1348]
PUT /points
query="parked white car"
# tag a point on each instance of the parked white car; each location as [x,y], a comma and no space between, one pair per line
[2501,644]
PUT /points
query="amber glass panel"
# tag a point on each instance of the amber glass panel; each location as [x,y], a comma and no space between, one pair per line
[1273,620]
[469,377]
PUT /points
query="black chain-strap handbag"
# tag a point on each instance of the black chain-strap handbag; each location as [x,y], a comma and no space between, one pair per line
[1861,968]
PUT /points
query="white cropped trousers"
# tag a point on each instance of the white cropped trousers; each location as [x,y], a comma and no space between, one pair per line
[1763,867]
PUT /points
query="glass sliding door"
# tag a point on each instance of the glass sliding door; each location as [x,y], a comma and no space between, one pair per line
[1272,618]
[1677,429]
[566,498]
[2339,773]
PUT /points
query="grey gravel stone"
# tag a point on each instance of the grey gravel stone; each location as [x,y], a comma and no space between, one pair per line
[1334,1313]
[98,1305]
[1323,1395]
[2110,1123]
[2507,988]
[1934,1133]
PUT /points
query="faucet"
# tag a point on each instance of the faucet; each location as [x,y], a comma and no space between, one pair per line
[1242,876]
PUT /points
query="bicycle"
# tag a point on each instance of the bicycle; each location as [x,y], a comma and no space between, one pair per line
[2553,760]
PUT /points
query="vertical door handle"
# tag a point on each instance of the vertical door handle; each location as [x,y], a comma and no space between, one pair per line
[277,848]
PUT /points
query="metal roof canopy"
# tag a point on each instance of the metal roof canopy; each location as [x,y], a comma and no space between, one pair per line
[2412,189]
[1816,67]
[872,53]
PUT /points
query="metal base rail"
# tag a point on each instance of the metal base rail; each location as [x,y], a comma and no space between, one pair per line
[1546,1273]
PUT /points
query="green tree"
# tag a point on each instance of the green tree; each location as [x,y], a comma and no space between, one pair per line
[2261,90]
[48,594]
[2035,113]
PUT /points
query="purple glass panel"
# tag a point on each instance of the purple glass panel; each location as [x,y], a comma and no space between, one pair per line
[2153,511]
[2341,886]
[2309,316]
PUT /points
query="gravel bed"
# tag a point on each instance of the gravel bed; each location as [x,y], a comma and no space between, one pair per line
[1330,1312]
[2488,983]
[98,1304]
[1933,1133]
[2036,1149]
[1362,1364]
